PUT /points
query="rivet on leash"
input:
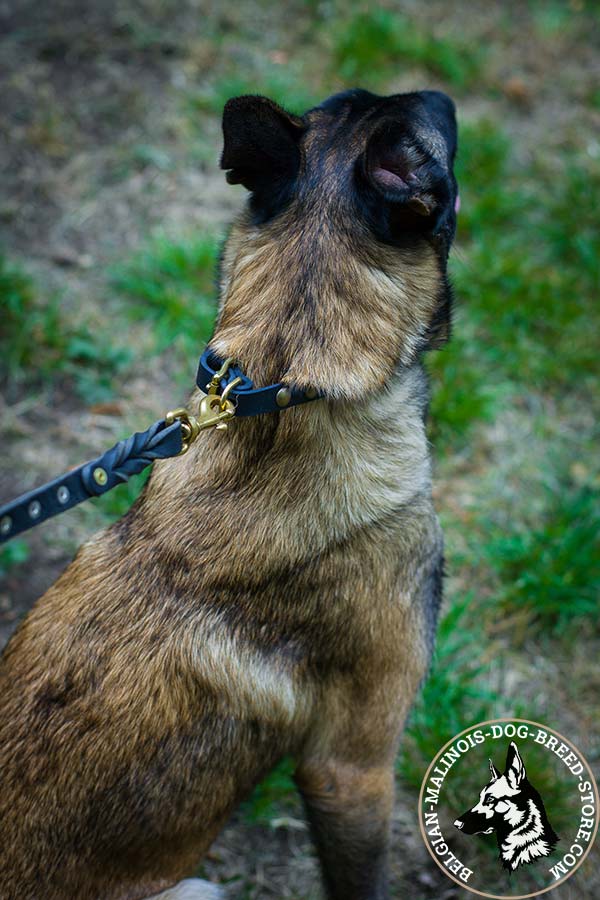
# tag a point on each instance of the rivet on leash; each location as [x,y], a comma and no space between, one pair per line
[34,509]
[63,494]
[100,477]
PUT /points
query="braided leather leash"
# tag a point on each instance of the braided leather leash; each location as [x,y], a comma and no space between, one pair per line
[229,393]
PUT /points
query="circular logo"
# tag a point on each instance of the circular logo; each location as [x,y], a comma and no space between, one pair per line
[508,809]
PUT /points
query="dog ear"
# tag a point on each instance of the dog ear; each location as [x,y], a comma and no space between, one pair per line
[261,142]
[494,771]
[417,184]
[515,770]
[441,113]
[391,164]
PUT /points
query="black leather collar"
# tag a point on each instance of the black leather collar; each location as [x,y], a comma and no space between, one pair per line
[248,400]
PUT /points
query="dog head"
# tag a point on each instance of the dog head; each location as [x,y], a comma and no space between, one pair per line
[383,163]
[511,807]
[335,273]
[500,801]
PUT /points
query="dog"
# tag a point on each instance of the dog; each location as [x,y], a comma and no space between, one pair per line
[275,590]
[511,807]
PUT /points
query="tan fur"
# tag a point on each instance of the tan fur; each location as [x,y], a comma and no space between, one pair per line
[356,344]
[270,593]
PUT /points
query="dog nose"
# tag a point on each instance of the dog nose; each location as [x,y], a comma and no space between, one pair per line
[458,823]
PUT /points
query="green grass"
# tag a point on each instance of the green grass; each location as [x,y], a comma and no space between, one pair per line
[171,285]
[34,336]
[12,554]
[465,392]
[548,565]
[136,158]
[526,275]
[465,377]
[553,19]
[40,344]
[372,46]
[269,798]
[285,85]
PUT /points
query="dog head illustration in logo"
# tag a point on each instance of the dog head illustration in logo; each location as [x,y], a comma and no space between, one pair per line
[512,808]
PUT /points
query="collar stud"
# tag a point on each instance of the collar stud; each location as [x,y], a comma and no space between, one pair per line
[283,397]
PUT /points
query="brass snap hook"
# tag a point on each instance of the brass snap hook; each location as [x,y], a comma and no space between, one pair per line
[190,427]
[229,388]
[213,386]
[215,409]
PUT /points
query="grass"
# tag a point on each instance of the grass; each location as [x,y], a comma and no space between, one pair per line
[466,387]
[526,277]
[463,395]
[41,344]
[25,323]
[271,795]
[548,565]
[553,18]
[171,285]
[285,84]
[12,554]
[371,45]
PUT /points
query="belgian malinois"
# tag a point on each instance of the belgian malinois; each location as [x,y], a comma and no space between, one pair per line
[512,808]
[275,590]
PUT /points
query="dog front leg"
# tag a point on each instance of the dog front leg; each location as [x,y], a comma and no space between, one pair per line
[349,810]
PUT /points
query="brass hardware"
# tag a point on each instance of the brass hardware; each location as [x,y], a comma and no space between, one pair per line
[310,393]
[213,386]
[283,397]
[229,388]
[99,475]
[215,411]
[190,427]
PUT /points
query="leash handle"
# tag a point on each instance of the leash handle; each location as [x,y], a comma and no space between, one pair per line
[92,479]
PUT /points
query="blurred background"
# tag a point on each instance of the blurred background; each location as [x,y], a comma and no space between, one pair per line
[112,207]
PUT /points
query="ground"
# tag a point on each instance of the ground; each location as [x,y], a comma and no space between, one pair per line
[111,207]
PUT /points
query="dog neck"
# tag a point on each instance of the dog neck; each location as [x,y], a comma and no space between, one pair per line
[311,306]
[322,471]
